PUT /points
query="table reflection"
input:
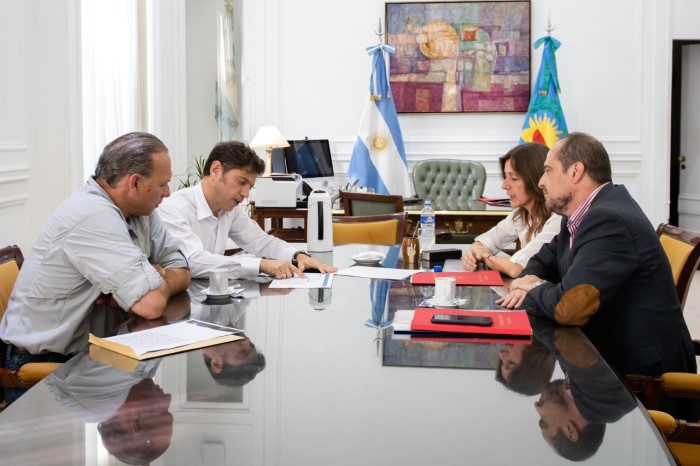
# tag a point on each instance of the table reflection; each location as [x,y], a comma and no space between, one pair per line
[132,411]
[575,409]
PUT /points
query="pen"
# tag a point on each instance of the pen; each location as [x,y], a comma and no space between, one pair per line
[325,280]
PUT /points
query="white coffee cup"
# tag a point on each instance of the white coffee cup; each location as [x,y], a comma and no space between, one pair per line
[218,281]
[445,291]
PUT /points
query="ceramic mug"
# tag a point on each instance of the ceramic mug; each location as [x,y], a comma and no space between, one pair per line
[218,281]
[445,291]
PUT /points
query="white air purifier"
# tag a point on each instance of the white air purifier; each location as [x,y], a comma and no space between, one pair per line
[319,223]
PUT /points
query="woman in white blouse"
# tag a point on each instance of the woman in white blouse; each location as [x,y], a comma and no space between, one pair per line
[530,222]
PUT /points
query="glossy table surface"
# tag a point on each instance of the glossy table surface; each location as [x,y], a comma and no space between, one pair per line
[338,388]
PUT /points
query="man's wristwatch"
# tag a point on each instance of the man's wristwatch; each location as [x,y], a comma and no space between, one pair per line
[295,263]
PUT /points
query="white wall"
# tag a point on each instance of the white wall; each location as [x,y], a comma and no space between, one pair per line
[39,114]
[309,77]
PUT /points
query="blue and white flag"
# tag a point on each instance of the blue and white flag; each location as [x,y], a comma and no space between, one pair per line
[379,158]
[545,122]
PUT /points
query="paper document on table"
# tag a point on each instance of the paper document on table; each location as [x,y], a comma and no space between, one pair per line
[168,339]
[402,320]
[382,273]
[312,280]
[453,265]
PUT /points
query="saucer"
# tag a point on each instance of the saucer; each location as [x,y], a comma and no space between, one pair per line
[367,262]
[456,303]
[231,290]
[368,258]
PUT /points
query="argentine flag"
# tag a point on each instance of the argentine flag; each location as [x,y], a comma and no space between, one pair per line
[379,158]
[545,122]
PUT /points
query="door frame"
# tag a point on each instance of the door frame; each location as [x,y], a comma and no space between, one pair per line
[675,149]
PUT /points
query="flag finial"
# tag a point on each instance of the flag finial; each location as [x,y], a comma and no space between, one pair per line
[379,32]
[549,27]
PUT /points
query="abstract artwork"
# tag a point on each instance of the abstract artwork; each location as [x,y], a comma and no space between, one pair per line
[460,56]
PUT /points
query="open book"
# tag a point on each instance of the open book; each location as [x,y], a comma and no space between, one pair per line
[168,339]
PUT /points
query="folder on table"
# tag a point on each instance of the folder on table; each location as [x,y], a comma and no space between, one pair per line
[480,278]
[168,339]
[512,323]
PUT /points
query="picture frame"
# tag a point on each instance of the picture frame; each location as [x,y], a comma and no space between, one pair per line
[460,57]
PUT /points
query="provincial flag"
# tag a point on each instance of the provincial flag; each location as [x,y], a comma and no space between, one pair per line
[545,122]
[379,158]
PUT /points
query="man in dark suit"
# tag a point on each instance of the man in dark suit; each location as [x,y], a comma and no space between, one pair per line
[606,270]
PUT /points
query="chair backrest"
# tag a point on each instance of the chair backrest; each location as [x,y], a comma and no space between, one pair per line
[11,260]
[450,184]
[370,229]
[371,204]
[683,251]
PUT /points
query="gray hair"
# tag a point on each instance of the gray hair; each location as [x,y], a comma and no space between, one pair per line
[128,154]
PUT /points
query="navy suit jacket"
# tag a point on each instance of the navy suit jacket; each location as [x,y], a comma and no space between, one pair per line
[615,281]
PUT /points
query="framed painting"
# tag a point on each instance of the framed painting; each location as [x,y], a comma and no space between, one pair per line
[454,57]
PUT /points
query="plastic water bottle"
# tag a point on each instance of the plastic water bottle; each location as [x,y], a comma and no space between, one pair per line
[426,235]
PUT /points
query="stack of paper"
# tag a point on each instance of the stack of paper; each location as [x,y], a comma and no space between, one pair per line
[167,339]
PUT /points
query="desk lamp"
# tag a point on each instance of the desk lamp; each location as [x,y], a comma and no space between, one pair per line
[268,138]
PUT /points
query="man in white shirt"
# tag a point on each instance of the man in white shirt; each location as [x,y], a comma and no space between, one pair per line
[202,217]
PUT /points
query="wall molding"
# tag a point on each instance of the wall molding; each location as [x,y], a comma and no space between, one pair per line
[14,179]
[11,201]
[12,146]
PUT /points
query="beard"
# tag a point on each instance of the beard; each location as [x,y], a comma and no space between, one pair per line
[555,392]
[560,204]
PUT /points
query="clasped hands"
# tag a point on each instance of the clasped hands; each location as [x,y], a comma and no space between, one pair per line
[517,291]
[473,256]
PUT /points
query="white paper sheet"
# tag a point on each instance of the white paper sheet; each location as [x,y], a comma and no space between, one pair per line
[312,280]
[172,336]
[402,320]
[382,273]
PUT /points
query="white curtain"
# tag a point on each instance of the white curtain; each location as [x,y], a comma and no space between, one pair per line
[111,75]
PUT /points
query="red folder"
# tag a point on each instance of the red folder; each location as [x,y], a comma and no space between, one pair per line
[504,322]
[442,337]
[485,278]
[496,201]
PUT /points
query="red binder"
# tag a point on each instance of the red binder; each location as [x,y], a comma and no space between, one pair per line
[485,278]
[504,322]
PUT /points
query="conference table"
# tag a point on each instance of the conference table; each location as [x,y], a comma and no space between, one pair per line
[334,386]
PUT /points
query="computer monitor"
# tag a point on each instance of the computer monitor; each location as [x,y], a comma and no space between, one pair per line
[310,158]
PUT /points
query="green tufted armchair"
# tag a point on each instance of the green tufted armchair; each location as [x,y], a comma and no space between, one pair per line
[450,184]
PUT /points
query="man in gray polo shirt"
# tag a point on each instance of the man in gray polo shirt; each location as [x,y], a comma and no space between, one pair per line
[104,244]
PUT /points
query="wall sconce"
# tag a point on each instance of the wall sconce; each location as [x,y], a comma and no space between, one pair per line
[268,138]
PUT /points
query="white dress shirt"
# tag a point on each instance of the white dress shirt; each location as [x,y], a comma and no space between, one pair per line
[202,235]
[508,230]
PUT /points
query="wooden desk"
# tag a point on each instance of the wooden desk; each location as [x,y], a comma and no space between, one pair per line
[473,222]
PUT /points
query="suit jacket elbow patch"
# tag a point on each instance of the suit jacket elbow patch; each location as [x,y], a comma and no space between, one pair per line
[577,305]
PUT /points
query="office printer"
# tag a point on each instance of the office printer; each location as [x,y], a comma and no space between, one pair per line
[276,191]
